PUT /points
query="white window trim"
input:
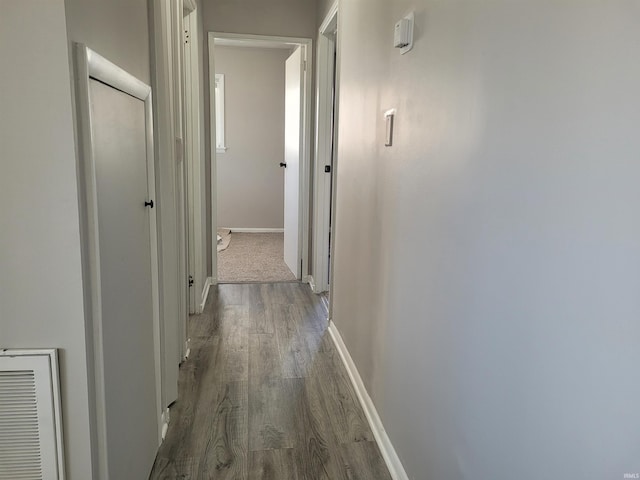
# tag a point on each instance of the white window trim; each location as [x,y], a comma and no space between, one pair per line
[221,145]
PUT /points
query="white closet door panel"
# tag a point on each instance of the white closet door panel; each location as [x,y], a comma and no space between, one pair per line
[119,143]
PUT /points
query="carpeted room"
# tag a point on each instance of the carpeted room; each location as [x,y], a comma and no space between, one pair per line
[251,257]
[250,181]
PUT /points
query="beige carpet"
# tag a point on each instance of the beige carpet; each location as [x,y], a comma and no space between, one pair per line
[254,257]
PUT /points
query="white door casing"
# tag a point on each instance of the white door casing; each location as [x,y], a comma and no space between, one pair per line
[164,12]
[181,173]
[293,147]
[195,163]
[120,262]
[304,45]
[325,154]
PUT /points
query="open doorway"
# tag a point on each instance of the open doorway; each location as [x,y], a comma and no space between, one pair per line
[260,131]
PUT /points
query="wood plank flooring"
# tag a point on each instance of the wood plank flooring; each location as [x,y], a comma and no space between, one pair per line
[265,395]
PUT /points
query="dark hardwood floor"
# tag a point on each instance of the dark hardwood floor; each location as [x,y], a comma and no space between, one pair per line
[265,395]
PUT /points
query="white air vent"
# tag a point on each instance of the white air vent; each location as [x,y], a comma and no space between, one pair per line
[30,427]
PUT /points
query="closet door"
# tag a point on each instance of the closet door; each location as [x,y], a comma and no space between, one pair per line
[120,155]
[120,262]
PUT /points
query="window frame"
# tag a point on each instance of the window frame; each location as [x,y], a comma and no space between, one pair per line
[221,145]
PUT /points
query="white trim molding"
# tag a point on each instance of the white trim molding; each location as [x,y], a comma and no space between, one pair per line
[267,41]
[187,348]
[224,39]
[325,147]
[255,230]
[166,47]
[90,65]
[221,145]
[330,20]
[165,419]
[205,293]
[384,443]
[312,283]
[194,135]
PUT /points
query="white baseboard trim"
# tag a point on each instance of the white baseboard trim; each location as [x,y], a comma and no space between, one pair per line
[384,443]
[187,348]
[312,283]
[256,230]
[165,418]
[205,293]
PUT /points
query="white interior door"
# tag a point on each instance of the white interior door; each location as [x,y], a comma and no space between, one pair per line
[124,236]
[294,77]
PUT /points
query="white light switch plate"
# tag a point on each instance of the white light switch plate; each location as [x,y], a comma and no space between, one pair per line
[389,117]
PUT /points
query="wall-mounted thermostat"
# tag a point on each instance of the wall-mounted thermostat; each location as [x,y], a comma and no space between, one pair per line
[403,34]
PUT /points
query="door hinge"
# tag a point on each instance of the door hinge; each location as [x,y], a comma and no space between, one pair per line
[190,281]
[304,65]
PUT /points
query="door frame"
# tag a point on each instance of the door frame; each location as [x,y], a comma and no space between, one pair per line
[326,138]
[90,65]
[194,156]
[166,62]
[267,41]
[177,20]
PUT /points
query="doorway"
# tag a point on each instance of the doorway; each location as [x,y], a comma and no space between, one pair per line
[260,106]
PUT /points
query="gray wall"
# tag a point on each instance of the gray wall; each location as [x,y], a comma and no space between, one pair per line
[322,9]
[290,18]
[118,30]
[487,266]
[250,181]
[41,295]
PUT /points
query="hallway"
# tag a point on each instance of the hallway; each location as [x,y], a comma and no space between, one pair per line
[264,394]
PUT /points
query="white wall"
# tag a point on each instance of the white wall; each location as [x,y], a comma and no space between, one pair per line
[41,295]
[250,181]
[487,266]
